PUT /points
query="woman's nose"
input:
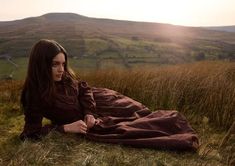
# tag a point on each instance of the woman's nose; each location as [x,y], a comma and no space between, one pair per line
[61,68]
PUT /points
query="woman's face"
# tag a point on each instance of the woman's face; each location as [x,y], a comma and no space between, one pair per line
[58,64]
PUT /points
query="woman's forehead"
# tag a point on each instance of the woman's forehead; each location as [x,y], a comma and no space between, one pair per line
[59,57]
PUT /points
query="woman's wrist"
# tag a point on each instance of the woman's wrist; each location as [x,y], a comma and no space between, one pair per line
[65,128]
[59,128]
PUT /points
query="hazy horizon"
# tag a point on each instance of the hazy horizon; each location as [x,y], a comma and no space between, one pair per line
[194,13]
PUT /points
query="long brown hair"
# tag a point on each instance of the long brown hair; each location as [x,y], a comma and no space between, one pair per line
[39,79]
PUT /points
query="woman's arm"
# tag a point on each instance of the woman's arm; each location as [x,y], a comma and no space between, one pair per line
[86,98]
[88,103]
[33,128]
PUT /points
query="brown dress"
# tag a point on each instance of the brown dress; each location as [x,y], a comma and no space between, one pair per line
[122,119]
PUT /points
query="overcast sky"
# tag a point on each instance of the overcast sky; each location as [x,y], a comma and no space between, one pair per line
[178,12]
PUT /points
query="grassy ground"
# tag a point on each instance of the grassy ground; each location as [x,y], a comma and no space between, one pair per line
[203,92]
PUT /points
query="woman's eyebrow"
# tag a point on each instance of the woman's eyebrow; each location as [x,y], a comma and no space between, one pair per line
[55,61]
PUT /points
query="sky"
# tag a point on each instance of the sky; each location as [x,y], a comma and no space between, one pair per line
[177,12]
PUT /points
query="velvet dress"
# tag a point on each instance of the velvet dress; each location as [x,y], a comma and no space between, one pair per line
[122,119]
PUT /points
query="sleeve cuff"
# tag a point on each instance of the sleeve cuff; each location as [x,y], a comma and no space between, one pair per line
[60,128]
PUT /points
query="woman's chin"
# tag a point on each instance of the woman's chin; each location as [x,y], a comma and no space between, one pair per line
[57,79]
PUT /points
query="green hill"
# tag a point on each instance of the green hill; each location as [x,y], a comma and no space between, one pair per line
[82,35]
[104,43]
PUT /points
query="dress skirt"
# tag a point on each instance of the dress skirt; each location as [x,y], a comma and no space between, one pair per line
[125,121]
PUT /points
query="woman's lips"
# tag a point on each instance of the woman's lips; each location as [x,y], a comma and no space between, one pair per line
[59,75]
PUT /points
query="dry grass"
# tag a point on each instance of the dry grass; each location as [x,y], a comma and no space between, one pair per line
[204,92]
[205,89]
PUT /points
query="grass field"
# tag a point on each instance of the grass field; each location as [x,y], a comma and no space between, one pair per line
[204,92]
[105,61]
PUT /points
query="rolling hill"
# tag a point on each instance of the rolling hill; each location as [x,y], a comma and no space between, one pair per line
[223,28]
[92,37]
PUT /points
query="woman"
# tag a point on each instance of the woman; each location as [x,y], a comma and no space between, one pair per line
[51,90]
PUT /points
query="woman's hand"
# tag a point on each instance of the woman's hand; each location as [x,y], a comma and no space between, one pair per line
[90,121]
[76,127]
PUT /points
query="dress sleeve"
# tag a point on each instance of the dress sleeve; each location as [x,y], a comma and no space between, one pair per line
[33,128]
[86,98]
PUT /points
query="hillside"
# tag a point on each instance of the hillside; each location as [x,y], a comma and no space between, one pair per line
[104,43]
[223,28]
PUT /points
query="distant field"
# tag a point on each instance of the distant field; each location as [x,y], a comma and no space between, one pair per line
[104,61]
[20,71]
[7,69]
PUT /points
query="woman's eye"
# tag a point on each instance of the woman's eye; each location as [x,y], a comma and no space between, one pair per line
[54,64]
[57,64]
